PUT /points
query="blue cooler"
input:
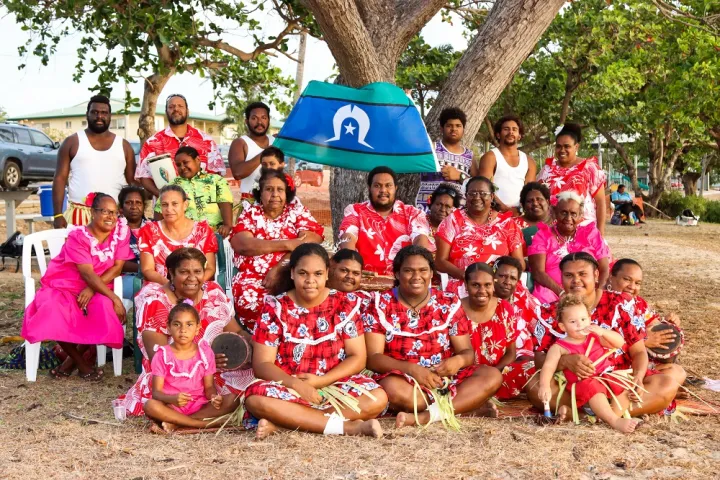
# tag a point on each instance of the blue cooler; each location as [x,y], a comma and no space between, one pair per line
[46,202]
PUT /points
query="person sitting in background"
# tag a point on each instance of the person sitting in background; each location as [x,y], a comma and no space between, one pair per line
[208,194]
[381,226]
[131,200]
[345,270]
[442,202]
[625,206]
[567,234]
[265,235]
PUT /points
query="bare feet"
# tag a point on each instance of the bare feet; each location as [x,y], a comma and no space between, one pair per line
[367,428]
[169,427]
[157,429]
[404,419]
[562,414]
[625,425]
[488,410]
[265,428]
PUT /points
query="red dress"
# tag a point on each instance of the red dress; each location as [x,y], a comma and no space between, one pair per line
[589,387]
[585,178]
[247,287]
[472,243]
[153,240]
[379,239]
[525,305]
[309,341]
[152,311]
[426,341]
[491,339]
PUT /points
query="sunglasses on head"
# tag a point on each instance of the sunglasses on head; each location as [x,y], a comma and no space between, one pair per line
[173,95]
[446,191]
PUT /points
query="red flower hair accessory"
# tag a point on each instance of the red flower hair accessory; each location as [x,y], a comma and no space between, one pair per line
[89,199]
[290,182]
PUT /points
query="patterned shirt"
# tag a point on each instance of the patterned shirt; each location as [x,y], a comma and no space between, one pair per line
[380,239]
[586,179]
[430,181]
[492,338]
[205,192]
[165,141]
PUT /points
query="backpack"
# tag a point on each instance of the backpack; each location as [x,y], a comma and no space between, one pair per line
[12,248]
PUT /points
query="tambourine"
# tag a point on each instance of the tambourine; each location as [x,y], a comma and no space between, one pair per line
[162,169]
[371,282]
[667,352]
[236,349]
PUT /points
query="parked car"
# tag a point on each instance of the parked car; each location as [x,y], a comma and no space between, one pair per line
[308,173]
[136,146]
[26,155]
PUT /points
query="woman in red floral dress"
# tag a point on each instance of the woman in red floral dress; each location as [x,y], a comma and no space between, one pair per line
[185,267]
[494,331]
[475,234]
[306,339]
[568,172]
[417,332]
[265,235]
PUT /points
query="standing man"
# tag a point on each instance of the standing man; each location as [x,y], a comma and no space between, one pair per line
[508,168]
[244,155]
[455,160]
[178,134]
[380,227]
[93,160]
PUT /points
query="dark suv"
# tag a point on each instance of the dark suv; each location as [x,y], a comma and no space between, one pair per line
[26,154]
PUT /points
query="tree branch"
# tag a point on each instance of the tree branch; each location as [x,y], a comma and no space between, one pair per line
[263,48]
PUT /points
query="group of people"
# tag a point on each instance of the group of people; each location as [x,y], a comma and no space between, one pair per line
[497,283]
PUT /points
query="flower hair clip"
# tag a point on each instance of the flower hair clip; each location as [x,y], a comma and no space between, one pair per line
[290,182]
[188,302]
[89,199]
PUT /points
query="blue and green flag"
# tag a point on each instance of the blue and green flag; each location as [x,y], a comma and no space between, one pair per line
[358,128]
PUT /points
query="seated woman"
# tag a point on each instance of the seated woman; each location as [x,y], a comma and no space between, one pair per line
[159,239]
[308,339]
[131,200]
[627,276]
[265,235]
[535,203]
[494,331]
[75,305]
[616,311]
[566,235]
[475,234]
[415,333]
[186,267]
[208,194]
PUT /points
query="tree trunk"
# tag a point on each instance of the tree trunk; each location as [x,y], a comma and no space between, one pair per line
[504,41]
[154,85]
[689,180]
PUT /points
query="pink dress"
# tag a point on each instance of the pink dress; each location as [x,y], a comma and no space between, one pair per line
[54,314]
[547,241]
[185,376]
[586,179]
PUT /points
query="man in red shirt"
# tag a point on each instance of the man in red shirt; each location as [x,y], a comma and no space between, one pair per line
[380,227]
[178,134]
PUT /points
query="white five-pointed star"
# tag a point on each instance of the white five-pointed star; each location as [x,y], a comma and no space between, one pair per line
[349,129]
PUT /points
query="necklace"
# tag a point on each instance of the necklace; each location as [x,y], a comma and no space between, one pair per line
[563,242]
[412,312]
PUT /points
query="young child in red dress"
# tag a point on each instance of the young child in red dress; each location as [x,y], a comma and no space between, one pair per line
[183,373]
[574,319]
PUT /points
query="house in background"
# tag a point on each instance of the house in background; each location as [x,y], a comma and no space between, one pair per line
[63,122]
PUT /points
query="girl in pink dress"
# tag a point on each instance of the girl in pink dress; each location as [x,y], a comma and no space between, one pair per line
[75,304]
[584,338]
[183,374]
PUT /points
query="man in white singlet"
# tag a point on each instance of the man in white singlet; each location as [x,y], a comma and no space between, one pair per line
[244,155]
[509,168]
[93,160]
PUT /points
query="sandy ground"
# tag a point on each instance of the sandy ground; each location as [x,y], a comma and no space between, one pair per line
[682,267]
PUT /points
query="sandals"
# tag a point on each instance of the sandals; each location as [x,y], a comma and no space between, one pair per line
[59,374]
[92,376]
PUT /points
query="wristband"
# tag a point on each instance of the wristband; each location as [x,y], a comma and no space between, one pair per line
[57,215]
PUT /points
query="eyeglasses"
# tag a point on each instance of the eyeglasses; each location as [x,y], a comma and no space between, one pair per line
[476,194]
[107,213]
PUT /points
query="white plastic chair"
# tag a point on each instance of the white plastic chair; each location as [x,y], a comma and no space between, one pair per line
[55,239]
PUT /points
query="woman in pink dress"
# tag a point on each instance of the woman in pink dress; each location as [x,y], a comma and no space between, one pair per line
[159,239]
[75,304]
[265,235]
[475,234]
[566,172]
[185,270]
[566,235]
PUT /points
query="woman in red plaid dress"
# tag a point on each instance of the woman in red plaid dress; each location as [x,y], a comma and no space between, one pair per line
[417,332]
[305,340]
[494,331]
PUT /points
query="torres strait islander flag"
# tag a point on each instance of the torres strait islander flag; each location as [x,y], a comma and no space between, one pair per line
[358,128]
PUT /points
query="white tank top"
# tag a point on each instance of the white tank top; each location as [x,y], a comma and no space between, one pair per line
[95,170]
[509,180]
[247,183]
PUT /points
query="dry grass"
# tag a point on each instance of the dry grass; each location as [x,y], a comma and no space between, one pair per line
[683,273]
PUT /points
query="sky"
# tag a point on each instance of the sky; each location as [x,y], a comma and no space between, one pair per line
[38,88]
